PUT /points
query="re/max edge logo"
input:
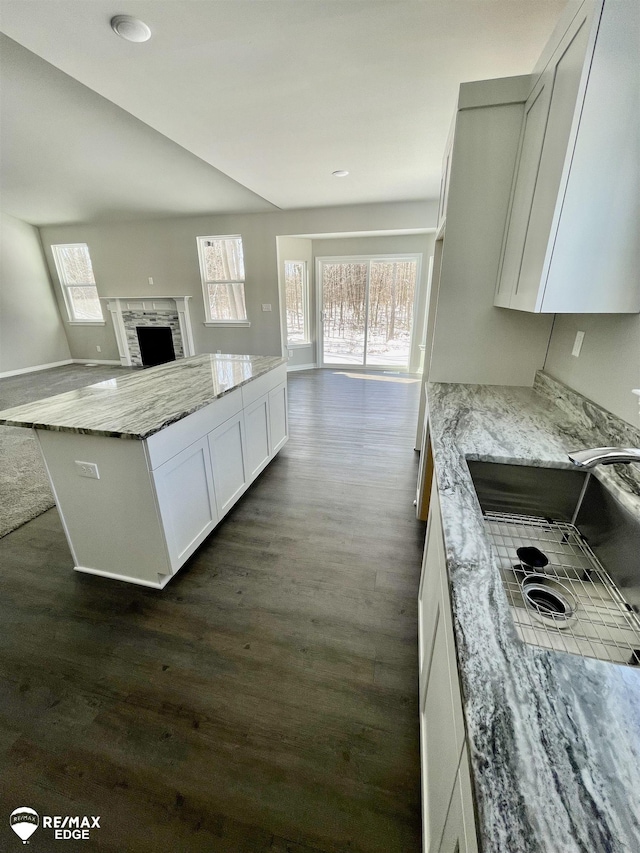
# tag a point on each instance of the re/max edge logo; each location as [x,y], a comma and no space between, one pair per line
[71,827]
[24,821]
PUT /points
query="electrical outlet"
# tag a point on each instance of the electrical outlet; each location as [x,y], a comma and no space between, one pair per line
[87,469]
[266,306]
[290,353]
[150,280]
[577,345]
[99,348]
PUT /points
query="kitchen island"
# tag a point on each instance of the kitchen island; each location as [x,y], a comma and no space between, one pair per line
[144,466]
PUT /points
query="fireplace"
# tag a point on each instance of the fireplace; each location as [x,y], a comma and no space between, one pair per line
[130,314]
[156,345]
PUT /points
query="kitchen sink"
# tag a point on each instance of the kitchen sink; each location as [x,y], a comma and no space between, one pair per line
[582,594]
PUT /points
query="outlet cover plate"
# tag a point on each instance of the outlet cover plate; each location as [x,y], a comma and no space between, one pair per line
[87,469]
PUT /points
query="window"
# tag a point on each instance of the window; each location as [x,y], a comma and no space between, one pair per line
[75,272]
[297,302]
[222,271]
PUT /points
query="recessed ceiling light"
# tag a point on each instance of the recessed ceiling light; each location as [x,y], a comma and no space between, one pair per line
[130,28]
[341,173]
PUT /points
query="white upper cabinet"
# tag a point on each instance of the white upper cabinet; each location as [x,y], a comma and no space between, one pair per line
[444,181]
[571,239]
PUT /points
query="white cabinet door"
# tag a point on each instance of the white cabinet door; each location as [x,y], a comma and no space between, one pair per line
[227,444]
[444,181]
[536,112]
[459,834]
[596,252]
[186,499]
[278,417]
[566,76]
[441,720]
[440,755]
[257,436]
[548,123]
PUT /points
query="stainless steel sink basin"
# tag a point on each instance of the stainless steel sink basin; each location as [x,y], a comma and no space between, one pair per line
[587,599]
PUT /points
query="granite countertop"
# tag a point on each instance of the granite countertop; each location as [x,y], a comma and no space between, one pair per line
[139,404]
[554,738]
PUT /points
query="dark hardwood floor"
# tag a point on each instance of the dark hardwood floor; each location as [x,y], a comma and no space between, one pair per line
[266,700]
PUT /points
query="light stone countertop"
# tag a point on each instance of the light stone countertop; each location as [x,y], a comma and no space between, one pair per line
[554,738]
[143,402]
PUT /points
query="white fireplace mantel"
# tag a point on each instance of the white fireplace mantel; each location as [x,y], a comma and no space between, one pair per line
[156,304]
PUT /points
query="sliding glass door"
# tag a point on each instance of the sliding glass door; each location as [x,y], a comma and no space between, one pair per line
[366,308]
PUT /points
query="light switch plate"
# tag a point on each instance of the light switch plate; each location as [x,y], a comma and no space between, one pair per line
[577,345]
[266,306]
[87,469]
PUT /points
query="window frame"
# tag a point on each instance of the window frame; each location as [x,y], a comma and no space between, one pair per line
[65,286]
[209,320]
[369,259]
[306,304]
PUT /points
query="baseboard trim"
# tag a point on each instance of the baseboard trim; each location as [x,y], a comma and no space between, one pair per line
[48,366]
[292,367]
[95,361]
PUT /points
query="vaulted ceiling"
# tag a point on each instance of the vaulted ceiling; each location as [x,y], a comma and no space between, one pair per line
[241,105]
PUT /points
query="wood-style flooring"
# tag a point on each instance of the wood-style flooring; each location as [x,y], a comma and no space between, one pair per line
[266,700]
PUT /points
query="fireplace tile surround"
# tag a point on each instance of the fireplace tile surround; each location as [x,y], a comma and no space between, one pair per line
[129,312]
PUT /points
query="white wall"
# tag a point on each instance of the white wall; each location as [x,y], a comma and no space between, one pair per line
[473,341]
[31,330]
[125,255]
[609,363]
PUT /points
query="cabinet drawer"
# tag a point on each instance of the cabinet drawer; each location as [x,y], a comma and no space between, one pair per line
[164,444]
[262,385]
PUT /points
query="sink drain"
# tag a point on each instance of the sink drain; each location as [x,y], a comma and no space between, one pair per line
[549,601]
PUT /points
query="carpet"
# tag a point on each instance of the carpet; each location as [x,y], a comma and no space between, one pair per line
[24,484]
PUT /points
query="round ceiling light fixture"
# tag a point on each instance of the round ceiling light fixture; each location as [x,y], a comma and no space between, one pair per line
[340,173]
[130,28]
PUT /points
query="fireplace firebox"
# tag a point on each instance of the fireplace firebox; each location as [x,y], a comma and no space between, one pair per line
[156,345]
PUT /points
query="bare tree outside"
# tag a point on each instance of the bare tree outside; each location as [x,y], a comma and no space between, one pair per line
[296,301]
[387,318]
[223,271]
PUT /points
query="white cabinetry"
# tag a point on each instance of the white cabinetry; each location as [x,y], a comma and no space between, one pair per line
[445,179]
[459,835]
[228,449]
[446,786]
[258,435]
[157,499]
[568,244]
[186,498]
[278,417]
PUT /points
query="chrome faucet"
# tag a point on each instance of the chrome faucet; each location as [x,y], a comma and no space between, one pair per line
[604,456]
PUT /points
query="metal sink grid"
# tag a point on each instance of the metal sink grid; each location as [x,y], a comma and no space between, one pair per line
[605,626]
